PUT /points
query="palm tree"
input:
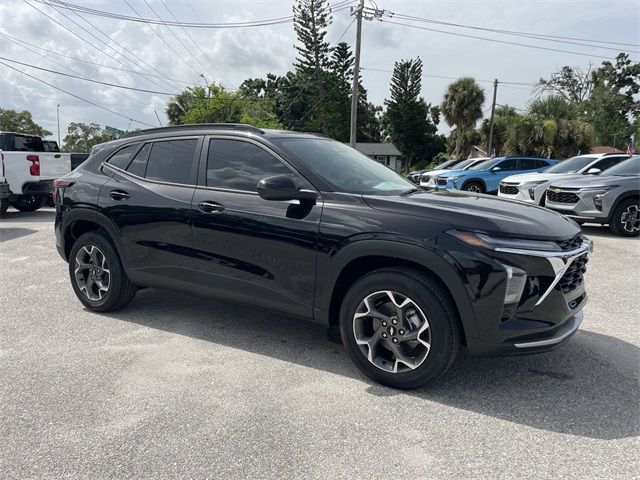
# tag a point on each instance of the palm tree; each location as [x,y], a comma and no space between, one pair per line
[462,107]
[179,105]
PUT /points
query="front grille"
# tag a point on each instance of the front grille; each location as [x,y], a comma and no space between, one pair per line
[442,181]
[425,178]
[573,277]
[568,245]
[508,189]
[562,197]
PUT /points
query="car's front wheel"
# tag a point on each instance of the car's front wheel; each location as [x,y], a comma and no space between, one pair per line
[625,220]
[97,276]
[399,327]
[475,187]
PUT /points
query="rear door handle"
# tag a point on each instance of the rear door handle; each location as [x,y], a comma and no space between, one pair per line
[211,207]
[119,194]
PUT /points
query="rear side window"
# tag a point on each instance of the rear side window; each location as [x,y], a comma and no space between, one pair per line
[171,161]
[121,158]
[511,164]
[531,164]
[607,162]
[27,143]
[239,165]
[139,163]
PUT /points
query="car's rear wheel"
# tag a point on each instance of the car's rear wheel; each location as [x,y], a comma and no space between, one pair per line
[4,205]
[475,187]
[625,220]
[399,327]
[27,203]
[97,276]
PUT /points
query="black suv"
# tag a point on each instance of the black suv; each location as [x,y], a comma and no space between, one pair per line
[309,227]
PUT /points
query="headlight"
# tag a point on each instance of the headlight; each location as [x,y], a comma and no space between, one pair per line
[598,189]
[493,243]
[452,179]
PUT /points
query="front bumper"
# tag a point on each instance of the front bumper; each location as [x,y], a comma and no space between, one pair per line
[523,193]
[549,311]
[4,190]
[584,209]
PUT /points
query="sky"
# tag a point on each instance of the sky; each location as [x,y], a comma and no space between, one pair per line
[230,55]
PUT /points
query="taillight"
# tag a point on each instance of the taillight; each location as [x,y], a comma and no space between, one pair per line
[34,168]
[62,183]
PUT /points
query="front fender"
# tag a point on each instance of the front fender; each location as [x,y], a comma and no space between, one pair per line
[420,255]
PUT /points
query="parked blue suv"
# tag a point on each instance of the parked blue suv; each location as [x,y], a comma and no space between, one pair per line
[485,176]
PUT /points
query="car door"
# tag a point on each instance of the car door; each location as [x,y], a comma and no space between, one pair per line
[502,170]
[251,249]
[149,199]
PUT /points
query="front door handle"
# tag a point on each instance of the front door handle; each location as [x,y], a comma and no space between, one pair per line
[211,207]
[119,194]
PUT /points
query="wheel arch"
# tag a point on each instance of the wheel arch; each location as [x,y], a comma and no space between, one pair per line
[621,198]
[363,257]
[474,179]
[80,221]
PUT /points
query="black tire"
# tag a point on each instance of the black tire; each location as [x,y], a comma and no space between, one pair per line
[120,289]
[50,202]
[4,205]
[625,220]
[475,187]
[27,203]
[443,325]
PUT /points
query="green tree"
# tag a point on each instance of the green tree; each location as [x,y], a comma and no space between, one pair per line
[81,137]
[503,118]
[20,122]
[462,107]
[179,105]
[409,121]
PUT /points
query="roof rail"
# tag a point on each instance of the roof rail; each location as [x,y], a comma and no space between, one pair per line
[613,153]
[196,126]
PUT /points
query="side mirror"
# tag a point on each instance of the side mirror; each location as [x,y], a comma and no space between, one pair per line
[496,169]
[283,187]
[594,171]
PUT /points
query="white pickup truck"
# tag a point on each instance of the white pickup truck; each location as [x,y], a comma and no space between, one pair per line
[30,168]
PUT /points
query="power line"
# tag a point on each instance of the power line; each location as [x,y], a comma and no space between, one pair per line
[341,5]
[77,96]
[82,38]
[88,79]
[496,41]
[548,38]
[101,65]
[196,43]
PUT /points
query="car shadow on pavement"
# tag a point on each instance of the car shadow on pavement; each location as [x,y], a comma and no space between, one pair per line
[43,215]
[7,234]
[589,387]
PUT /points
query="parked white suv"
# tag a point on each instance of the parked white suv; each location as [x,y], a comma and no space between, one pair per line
[30,170]
[4,187]
[531,187]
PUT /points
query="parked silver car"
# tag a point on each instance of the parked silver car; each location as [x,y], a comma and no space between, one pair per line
[611,198]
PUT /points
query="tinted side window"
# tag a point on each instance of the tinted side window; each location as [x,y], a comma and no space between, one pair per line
[121,158]
[531,164]
[511,164]
[171,161]
[239,165]
[27,143]
[607,162]
[541,164]
[139,163]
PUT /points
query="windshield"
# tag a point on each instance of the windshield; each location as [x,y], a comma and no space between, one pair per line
[571,165]
[629,167]
[464,164]
[482,165]
[447,164]
[344,168]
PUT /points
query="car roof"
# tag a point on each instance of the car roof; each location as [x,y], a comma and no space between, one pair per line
[209,128]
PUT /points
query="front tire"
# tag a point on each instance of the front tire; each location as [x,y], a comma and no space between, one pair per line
[625,220]
[400,328]
[97,276]
[27,203]
[474,187]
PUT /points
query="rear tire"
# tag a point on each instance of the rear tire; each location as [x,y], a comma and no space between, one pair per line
[27,203]
[625,220]
[475,187]
[424,315]
[4,205]
[97,276]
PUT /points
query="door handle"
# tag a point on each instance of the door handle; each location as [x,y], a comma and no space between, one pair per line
[211,207]
[119,194]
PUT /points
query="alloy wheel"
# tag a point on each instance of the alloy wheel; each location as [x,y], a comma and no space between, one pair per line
[630,219]
[92,272]
[392,332]
[473,188]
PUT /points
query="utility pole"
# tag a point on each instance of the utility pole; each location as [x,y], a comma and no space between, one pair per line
[493,110]
[356,77]
[615,135]
[58,115]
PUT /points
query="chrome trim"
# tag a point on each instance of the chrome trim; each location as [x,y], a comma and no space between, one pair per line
[552,341]
[559,261]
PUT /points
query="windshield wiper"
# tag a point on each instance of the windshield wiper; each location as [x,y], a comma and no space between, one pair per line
[412,190]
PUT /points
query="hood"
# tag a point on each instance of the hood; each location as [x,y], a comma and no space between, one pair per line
[480,213]
[540,177]
[596,180]
[437,172]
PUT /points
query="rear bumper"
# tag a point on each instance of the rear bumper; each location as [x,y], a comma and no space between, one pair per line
[4,190]
[42,187]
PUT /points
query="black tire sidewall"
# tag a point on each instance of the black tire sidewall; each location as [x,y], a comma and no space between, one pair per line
[616,219]
[30,206]
[468,184]
[117,275]
[443,337]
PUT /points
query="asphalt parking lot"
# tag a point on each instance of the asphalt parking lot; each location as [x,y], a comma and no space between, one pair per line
[175,386]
